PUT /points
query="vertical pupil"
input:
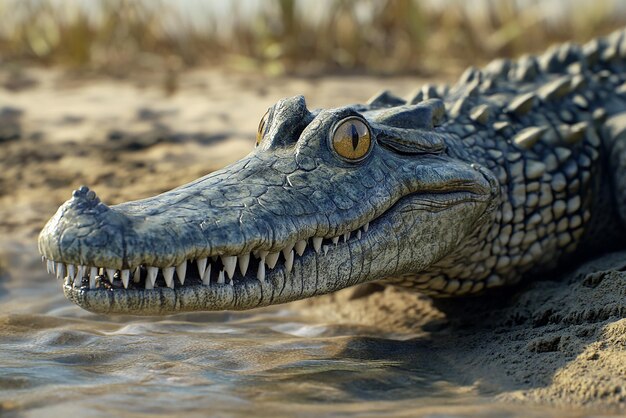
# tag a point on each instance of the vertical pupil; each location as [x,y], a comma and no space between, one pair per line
[355,136]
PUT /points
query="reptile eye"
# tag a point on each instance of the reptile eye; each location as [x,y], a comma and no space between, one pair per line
[351,139]
[261,129]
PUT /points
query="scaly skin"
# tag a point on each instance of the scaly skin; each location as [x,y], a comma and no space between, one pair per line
[516,169]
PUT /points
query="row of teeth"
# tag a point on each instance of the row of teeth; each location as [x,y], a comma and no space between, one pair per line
[74,274]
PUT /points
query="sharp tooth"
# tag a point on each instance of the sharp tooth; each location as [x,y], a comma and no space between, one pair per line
[262,254]
[71,271]
[346,236]
[93,273]
[151,277]
[60,270]
[244,261]
[110,274]
[289,261]
[78,277]
[43,259]
[220,277]
[125,275]
[201,263]
[317,244]
[206,276]
[260,274]
[335,240]
[325,248]
[300,246]
[287,250]
[366,227]
[168,275]
[181,271]
[230,263]
[137,275]
[50,266]
[80,272]
[358,234]
[271,259]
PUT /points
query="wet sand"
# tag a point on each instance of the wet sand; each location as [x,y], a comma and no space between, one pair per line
[555,346]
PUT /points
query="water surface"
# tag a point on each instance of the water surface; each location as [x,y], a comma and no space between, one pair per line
[58,360]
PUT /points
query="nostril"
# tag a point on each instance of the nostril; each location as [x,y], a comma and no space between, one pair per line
[83,197]
[84,192]
[81,191]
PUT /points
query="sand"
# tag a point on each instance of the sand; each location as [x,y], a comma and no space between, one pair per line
[559,339]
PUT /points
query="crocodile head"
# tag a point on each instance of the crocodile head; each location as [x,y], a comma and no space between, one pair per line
[326,200]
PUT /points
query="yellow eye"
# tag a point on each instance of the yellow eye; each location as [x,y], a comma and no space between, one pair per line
[261,129]
[351,139]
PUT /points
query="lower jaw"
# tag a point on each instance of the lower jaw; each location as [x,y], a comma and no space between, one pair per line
[163,300]
[276,289]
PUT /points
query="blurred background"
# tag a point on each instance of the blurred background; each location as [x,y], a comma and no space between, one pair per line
[134,97]
[276,37]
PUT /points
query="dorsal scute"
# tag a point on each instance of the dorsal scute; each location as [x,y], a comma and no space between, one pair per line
[426,92]
[527,68]
[384,99]
[605,53]
[557,58]
[424,115]
[471,74]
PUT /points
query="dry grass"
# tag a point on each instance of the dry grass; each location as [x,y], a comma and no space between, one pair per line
[118,37]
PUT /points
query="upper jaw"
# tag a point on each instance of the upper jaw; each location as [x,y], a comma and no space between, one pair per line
[86,232]
[223,268]
[234,212]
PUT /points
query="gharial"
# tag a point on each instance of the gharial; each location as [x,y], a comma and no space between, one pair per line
[517,168]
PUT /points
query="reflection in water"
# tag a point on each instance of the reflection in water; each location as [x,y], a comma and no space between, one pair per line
[56,360]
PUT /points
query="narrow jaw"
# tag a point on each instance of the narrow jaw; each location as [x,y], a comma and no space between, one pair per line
[310,267]
[233,282]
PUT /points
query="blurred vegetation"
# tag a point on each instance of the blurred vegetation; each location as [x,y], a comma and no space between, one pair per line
[118,37]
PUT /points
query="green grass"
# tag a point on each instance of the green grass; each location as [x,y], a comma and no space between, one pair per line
[120,37]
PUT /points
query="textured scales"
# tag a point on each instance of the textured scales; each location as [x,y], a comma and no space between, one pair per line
[518,168]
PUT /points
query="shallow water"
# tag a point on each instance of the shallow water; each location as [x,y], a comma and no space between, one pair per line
[57,360]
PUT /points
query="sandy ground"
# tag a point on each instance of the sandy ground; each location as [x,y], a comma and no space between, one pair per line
[558,340]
